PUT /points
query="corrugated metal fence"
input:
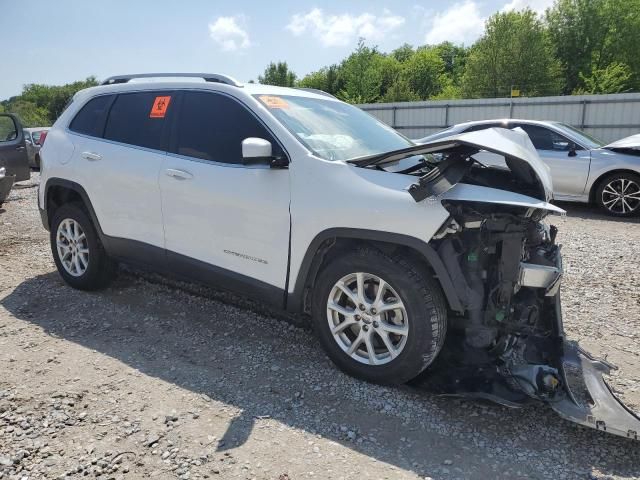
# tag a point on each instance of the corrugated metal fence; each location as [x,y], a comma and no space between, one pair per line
[607,117]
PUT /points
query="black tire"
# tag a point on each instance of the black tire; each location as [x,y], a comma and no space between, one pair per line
[37,162]
[101,268]
[612,183]
[425,307]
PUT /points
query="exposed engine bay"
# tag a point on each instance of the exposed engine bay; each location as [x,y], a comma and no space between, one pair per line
[509,345]
[507,342]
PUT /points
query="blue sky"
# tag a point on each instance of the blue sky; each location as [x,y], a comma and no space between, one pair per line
[60,41]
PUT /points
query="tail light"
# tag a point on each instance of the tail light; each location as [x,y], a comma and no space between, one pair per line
[43,137]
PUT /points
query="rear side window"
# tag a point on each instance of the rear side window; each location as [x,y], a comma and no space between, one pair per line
[138,119]
[90,119]
[212,127]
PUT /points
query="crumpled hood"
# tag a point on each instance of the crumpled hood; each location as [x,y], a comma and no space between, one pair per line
[519,154]
[628,142]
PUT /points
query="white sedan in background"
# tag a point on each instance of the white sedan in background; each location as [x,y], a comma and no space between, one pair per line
[583,169]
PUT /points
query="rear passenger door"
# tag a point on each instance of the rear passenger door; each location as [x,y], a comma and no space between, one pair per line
[224,222]
[120,144]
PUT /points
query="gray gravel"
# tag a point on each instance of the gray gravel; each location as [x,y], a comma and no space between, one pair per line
[154,379]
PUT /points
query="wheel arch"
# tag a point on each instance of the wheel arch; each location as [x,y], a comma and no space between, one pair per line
[59,191]
[334,241]
[596,184]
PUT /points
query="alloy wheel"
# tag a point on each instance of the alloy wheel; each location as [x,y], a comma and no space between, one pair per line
[621,196]
[367,318]
[72,246]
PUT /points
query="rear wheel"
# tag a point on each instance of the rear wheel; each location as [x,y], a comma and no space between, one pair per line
[78,253]
[379,318]
[619,194]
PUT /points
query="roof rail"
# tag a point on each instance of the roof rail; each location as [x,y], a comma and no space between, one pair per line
[316,91]
[207,77]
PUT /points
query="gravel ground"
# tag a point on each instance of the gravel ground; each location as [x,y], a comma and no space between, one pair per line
[148,380]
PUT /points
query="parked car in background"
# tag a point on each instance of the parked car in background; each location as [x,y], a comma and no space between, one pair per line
[34,138]
[14,163]
[583,168]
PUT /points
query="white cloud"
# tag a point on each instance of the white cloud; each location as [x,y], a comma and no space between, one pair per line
[538,6]
[229,34]
[460,23]
[343,29]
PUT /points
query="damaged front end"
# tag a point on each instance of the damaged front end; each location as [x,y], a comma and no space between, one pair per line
[506,343]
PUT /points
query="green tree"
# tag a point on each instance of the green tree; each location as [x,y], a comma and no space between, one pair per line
[30,114]
[455,60]
[423,72]
[514,51]
[326,79]
[362,78]
[278,74]
[400,91]
[614,78]
[590,35]
[403,53]
[40,105]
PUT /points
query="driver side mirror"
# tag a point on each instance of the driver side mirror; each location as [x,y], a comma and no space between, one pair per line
[572,149]
[258,151]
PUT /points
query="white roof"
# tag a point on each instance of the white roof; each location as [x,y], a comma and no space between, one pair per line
[628,142]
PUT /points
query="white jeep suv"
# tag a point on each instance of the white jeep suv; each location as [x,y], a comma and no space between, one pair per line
[401,255]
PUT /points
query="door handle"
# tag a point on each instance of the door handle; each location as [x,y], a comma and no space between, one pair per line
[91,156]
[20,148]
[178,174]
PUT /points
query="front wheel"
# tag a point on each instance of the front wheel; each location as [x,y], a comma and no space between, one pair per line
[77,251]
[619,194]
[379,318]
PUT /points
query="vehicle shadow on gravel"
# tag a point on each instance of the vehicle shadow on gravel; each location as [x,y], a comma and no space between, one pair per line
[591,212]
[269,369]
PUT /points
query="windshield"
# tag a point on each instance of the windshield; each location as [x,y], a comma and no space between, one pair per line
[584,138]
[333,130]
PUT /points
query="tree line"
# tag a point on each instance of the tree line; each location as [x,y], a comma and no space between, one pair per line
[40,105]
[576,47]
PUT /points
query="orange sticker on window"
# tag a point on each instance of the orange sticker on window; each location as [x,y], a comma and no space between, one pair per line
[160,106]
[274,102]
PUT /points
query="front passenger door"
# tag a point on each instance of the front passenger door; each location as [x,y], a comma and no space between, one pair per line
[224,222]
[569,167]
[13,152]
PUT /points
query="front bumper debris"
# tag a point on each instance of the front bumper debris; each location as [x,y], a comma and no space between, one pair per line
[589,400]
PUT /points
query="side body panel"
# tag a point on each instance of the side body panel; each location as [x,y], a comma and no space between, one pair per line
[569,173]
[327,195]
[122,182]
[231,216]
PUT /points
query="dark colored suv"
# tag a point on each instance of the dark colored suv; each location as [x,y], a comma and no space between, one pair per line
[14,161]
